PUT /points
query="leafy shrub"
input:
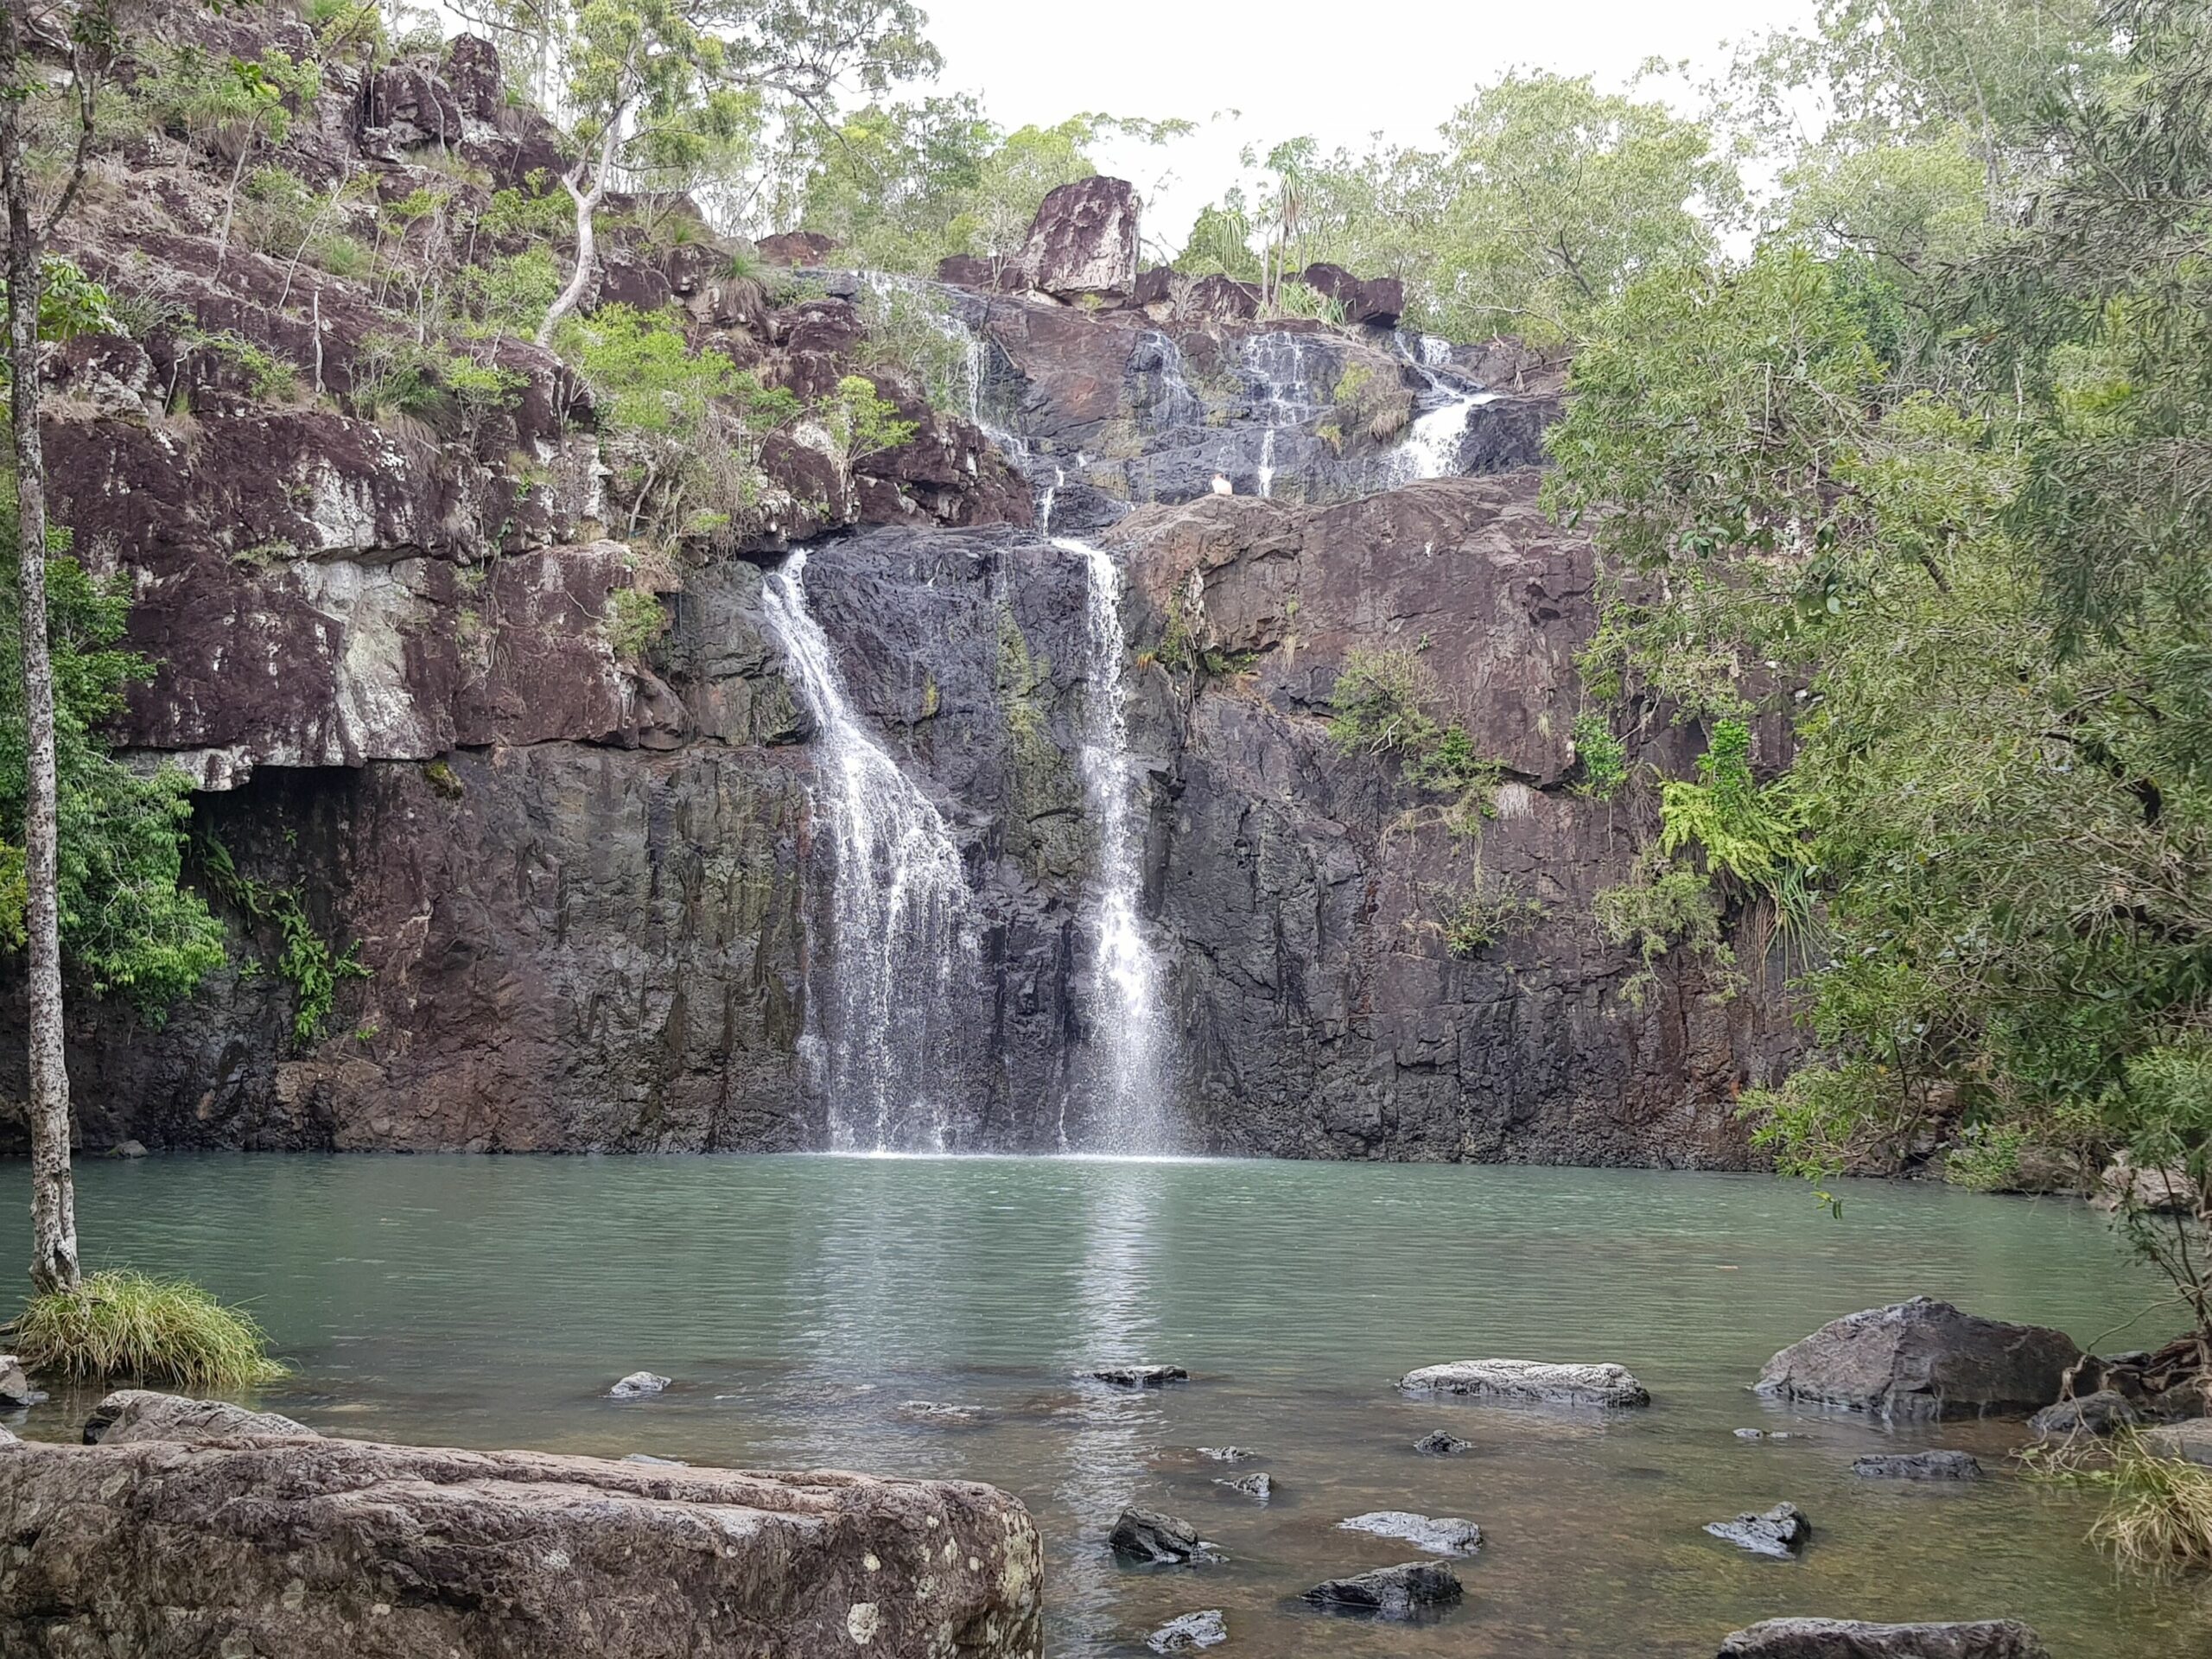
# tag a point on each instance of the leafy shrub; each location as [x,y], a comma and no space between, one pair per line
[1604,756]
[542,211]
[126,1325]
[1484,916]
[1382,699]
[304,958]
[1655,911]
[508,295]
[634,621]
[863,424]
[1752,835]
[450,391]
[911,330]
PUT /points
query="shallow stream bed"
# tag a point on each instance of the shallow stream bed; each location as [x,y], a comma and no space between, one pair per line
[800,1303]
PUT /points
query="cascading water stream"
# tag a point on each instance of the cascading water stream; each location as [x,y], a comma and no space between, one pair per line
[901,944]
[1124,988]
[1277,363]
[1431,447]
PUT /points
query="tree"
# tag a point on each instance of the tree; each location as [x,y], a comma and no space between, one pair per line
[1947,511]
[647,86]
[92,31]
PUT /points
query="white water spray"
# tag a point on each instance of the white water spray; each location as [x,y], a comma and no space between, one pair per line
[901,945]
[1124,979]
[1431,447]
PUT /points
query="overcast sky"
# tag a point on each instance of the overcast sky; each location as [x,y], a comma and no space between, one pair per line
[1339,71]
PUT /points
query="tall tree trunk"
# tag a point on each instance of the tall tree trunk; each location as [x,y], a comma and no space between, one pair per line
[54,1198]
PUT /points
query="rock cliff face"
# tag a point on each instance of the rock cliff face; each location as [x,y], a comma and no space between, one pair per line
[590,881]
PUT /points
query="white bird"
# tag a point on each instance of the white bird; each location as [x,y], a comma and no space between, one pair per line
[1222,485]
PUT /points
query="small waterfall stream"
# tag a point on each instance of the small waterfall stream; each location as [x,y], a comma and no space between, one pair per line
[1132,1115]
[901,942]
[1431,447]
[1276,364]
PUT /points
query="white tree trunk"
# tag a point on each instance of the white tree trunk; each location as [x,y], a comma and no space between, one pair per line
[53,1199]
[587,240]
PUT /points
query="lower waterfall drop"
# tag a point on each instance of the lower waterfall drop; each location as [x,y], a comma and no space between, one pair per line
[1124,977]
[901,945]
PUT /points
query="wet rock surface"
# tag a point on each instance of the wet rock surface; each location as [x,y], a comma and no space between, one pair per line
[1141,1377]
[300,1547]
[1923,1359]
[1410,1591]
[1782,1531]
[1259,1487]
[1846,1638]
[639,1385]
[2100,1413]
[1188,1633]
[1150,1537]
[1438,1443]
[130,1414]
[1527,1380]
[1918,1466]
[1446,1535]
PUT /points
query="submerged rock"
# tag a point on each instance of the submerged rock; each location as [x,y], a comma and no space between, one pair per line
[1228,1453]
[1188,1632]
[1921,1359]
[1141,1377]
[637,1386]
[1851,1638]
[1404,1592]
[1782,1531]
[1447,1535]
[130,1414]
[937,1411]
[1917,1466]
[1528,1379]
[1767,1435]
[15,1390]
[1259,1486]
[1438,1444]
[2092,1413]
[1140,1535]
[306,1547]
[658,1463]
[2191,1440]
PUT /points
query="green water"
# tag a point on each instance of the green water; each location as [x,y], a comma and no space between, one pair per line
[799,1301]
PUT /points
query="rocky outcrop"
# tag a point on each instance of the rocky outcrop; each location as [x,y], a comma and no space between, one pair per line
[1083,241]
[1149,1537]
[300,1547]
[130,1414]
[1780,1532]
[1923,1359]
[1190,1632]
[1411,1589]
[1849,1638]
[1530,1380]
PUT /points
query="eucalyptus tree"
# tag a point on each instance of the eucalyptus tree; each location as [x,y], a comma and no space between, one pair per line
[643,88]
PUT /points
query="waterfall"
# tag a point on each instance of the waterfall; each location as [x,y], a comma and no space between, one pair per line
[1277,364]
[1124,990]
[900,946]
[1431,445]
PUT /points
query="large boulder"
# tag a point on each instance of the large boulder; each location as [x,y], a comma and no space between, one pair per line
[130,1414]
[1530,1380]
[1406,1590]
[1851,1638]
[1921,1359]
[299,1547]
[796,247]
[1083,240]
[1377,300]
[2190,1441]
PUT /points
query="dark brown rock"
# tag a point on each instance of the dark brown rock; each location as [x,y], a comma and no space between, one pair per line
[1148,1535]
[1378,300]
[1921,1359]
[1154,287]
[1851,1638]
[796,247]
[966,270]
[303,1547]
[1406,1591]
[1083,240]
[1218,298]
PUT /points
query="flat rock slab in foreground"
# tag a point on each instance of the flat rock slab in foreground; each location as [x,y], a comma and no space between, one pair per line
[1923,1359]
[1849,1638]
[299,1546]
[1530,1380]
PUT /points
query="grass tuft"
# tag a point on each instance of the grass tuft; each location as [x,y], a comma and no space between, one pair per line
[128,1325]
[2160,1512]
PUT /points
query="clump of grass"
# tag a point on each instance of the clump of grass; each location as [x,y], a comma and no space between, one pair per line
[2160,1512]
[128,1324]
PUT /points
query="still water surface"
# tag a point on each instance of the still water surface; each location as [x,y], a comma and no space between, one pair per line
[800,1302]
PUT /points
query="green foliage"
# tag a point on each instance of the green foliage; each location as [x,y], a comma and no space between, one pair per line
[227,104]
[1383,701]
[1604,756]
[911,330]
[450,390]
[682,428]
[863,424]
[507,296]
[1541,199]
[1749,834]
[1485,915]
[634,621]
[1661,908]
[304,958]
[541,212]
[122,1324]
[128,925]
